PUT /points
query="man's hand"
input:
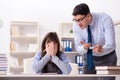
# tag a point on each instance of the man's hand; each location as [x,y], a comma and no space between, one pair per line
[98,49]
[85,45]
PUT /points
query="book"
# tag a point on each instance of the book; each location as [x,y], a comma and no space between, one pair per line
[2,72]
[107,67]
[3,68]
[108,72]
[12,47]
[2,55]
[3,64]
[3,59]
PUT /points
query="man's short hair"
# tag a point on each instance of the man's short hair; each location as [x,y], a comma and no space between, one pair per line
[81,9]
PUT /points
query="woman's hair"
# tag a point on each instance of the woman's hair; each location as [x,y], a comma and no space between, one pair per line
[51,36]
[81,9]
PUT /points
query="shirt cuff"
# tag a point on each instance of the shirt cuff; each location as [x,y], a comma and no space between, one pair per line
[47,56]
[54,59]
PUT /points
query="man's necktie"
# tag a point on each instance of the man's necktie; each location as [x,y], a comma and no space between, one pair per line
[89,52]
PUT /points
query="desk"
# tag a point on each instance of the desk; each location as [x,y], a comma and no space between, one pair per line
[54,77]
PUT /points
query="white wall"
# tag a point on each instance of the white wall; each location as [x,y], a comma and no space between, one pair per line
[49,13]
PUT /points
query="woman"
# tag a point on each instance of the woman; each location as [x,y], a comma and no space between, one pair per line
[51,59]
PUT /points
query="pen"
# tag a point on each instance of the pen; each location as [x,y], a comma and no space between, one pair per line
[91,47]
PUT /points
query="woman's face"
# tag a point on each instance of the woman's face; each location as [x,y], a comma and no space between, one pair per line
[51,48]
[54,45]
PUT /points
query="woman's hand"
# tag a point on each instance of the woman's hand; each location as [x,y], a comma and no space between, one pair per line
[54,48]
[51,48]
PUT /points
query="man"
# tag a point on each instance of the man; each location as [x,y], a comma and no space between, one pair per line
[102,43]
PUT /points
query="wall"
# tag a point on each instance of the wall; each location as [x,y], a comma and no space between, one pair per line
[49,13]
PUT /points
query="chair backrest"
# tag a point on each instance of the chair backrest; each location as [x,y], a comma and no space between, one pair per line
[27,63]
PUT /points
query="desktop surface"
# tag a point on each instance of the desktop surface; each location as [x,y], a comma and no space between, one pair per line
[54,77]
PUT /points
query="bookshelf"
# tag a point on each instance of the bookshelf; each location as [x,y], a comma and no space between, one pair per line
[67,41]
[24,41]
[66,37]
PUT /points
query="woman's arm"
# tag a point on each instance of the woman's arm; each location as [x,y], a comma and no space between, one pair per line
[39,62]
[62,63]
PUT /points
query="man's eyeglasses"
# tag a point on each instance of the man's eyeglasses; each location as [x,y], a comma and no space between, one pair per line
[79,20]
